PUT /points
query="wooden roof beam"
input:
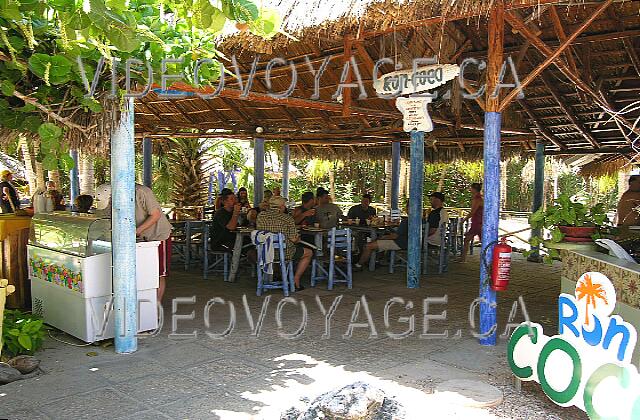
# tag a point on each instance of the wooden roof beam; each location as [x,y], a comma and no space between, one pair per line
[567,110]
[562,37]
[633,55]
[551,56]
[543,130]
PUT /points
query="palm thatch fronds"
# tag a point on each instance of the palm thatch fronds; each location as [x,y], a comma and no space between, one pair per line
[608,165]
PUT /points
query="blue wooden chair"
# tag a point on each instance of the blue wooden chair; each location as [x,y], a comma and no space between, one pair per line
[441,250]
[340,245]
[266,280]
[179,243]
[214,260]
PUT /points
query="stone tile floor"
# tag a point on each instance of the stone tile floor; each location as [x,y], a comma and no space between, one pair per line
[195,372]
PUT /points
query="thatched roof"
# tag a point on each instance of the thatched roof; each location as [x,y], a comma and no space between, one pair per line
[554,110]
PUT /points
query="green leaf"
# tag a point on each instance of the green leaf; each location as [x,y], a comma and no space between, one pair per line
[14,331]
[218,20]
[7,88]
[62,5]
[124,39]
[556,235]
[50,163]
[245,10]
[10,9]
[67,162]
[31,123]
[54,69]
[49,132]
[92,104]
[25,341]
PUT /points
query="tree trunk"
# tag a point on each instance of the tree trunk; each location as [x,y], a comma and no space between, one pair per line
[87,174]
[27,156]
[443,176]
[39,170]
[623,181]
[332,180]
[503,185]
[55,177]
[387,182]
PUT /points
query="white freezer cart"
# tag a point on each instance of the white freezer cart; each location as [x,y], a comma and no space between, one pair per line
[69,258]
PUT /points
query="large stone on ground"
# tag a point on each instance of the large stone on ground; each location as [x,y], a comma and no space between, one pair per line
[8,374]
[25,364]
[469,393]
[358,401]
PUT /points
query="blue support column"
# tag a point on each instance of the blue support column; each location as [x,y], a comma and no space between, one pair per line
[490,220]
[395,175]
[123,236]
[210,192]
[538,192]
[416,186]
[147,161]
[285,170]
[258,171]
[74,178]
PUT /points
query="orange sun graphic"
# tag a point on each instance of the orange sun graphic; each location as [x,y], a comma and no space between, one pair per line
[587,289]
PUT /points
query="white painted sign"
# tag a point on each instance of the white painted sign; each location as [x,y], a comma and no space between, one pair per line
[426,78]
[415,113]
[588,363]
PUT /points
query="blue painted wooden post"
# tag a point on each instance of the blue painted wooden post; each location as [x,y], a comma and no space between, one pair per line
[74,178]
[123,236]
[285,170]
[210,192]
[147,161]
[538,192]
[258,171]
[416,186]
[395,175]
[490,220]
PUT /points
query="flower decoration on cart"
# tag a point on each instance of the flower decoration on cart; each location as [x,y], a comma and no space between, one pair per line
[56,274]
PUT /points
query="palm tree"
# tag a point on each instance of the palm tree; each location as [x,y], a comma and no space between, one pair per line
[188,172]
[587,289]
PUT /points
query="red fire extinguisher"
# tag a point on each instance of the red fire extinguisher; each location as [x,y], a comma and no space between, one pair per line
[501,266]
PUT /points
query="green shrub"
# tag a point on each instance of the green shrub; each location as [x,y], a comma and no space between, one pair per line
[22,333]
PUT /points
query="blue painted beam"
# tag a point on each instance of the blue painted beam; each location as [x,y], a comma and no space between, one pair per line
[395,175]
[147,161]
[286,154]
[416,186]
[538,192]
[123,232]
[490,220]
[258,171]
[74,178]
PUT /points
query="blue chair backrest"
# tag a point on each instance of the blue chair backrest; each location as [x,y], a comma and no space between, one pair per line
[279,243]
[340,239]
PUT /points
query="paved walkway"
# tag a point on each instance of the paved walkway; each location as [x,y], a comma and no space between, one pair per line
[188,374]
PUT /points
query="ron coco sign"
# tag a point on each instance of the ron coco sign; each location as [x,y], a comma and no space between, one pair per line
[588,364]
[411,82]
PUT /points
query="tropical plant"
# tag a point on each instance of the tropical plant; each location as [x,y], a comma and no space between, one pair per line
[52,52]
[188,171]
[589,291]
[565,212]
[22,333]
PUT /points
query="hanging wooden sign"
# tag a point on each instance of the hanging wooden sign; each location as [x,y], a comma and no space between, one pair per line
[426,78]
[415,113]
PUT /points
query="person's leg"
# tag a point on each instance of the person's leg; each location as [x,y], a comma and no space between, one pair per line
[303,263]
[161,286]
[164,259]
[366,253]
[465,248]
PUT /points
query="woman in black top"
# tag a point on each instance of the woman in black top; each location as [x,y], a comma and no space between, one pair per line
[10,202]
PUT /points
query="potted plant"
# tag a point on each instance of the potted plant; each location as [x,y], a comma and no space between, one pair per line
[567,221]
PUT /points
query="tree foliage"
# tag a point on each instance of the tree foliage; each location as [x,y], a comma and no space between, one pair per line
[50,51]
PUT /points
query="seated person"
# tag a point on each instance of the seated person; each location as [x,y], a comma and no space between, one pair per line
[56,196]
[391,242]
[436,218]
[628,213]
[252,215]
[362,211]
[305,213]
[83,203]
[275,220]
[328,214]
[225,221]
[218,202]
